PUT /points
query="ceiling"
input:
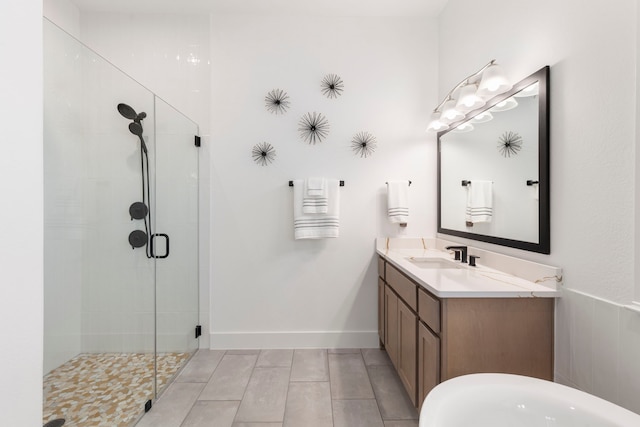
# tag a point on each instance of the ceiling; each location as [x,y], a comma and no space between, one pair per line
[426,8]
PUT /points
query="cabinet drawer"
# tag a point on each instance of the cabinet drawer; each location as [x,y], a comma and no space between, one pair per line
[404,287]
[429,310]
[381,264]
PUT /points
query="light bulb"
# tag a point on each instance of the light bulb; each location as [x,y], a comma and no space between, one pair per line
[436,125]
[449,112]
[468,100]
[493,82]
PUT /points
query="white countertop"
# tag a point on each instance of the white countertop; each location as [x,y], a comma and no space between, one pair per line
[466,281]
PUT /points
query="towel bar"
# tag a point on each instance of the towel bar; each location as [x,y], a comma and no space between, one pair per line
[409,183]
[291,183]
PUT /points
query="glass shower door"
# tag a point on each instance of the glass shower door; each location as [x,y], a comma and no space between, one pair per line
[99,308]
[175,242]
[120,316]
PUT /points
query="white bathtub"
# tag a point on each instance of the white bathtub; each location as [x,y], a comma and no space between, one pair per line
[503,400]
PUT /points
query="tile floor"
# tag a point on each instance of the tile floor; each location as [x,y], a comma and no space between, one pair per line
[285,388]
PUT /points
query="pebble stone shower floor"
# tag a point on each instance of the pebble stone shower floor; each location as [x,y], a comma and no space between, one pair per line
[110,390]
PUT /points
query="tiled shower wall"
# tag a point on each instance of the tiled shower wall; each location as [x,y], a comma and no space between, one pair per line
[598,348]
[100,295]
[63,222]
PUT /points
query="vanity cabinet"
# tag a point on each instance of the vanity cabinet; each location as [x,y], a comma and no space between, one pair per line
[391,324]
[428,361]
[407,333]
[431,339]
[401,326]
[381,321]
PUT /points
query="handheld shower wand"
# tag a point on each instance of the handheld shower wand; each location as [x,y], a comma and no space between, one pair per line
[140,210]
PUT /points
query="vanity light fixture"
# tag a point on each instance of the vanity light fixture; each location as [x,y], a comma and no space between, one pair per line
[464,97]
[449,112]
[493,82]
[469,99]
[436,125]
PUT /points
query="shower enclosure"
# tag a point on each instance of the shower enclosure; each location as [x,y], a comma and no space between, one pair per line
[121,312]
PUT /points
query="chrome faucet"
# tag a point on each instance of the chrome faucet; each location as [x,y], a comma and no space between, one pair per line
[460,253]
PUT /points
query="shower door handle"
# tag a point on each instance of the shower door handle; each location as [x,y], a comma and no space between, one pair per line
[153,246]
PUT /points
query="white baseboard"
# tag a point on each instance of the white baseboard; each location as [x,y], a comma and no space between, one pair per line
[312,339]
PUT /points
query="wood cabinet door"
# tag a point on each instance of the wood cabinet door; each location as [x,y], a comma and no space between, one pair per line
[381,311]
[391,324]
[428,362]
[407,352]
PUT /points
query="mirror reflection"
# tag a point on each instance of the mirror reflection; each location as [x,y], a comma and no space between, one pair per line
[493,177]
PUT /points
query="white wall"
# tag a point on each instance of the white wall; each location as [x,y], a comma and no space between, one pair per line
[269,290]
[592,53]
[21,192]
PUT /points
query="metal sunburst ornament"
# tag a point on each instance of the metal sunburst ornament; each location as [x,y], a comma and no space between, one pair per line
[277,101]
[314,127]
[263,153]
[332,86]
[510,143]
[364,144]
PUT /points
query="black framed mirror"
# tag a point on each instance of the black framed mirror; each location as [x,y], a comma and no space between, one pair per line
[504,148]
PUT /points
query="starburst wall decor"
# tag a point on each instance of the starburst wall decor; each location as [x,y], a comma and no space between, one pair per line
[277,101]
[332,86]
[364,144]
[509,143]
[263,153]
[314,127]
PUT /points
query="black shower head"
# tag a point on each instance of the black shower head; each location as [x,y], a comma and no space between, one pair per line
[136,129]
[129,113]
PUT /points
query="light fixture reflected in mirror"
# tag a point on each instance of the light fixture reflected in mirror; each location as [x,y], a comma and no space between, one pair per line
[531,90]
[464,127]
[506,105]
[469,95]
[483,117]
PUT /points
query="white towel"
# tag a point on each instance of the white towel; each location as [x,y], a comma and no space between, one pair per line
[315,197]
[479,201]
[316,226]
[315,187]
[398,201]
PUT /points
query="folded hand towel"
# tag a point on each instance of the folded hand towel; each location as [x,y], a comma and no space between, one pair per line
[398,201]
[314,199]
[316,226]
[479,202]
[315,187]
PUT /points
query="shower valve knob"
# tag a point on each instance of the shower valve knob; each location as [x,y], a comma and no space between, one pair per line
[138,210]
[137,239]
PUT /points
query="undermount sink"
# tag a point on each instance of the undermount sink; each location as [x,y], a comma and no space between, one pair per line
[432,263]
